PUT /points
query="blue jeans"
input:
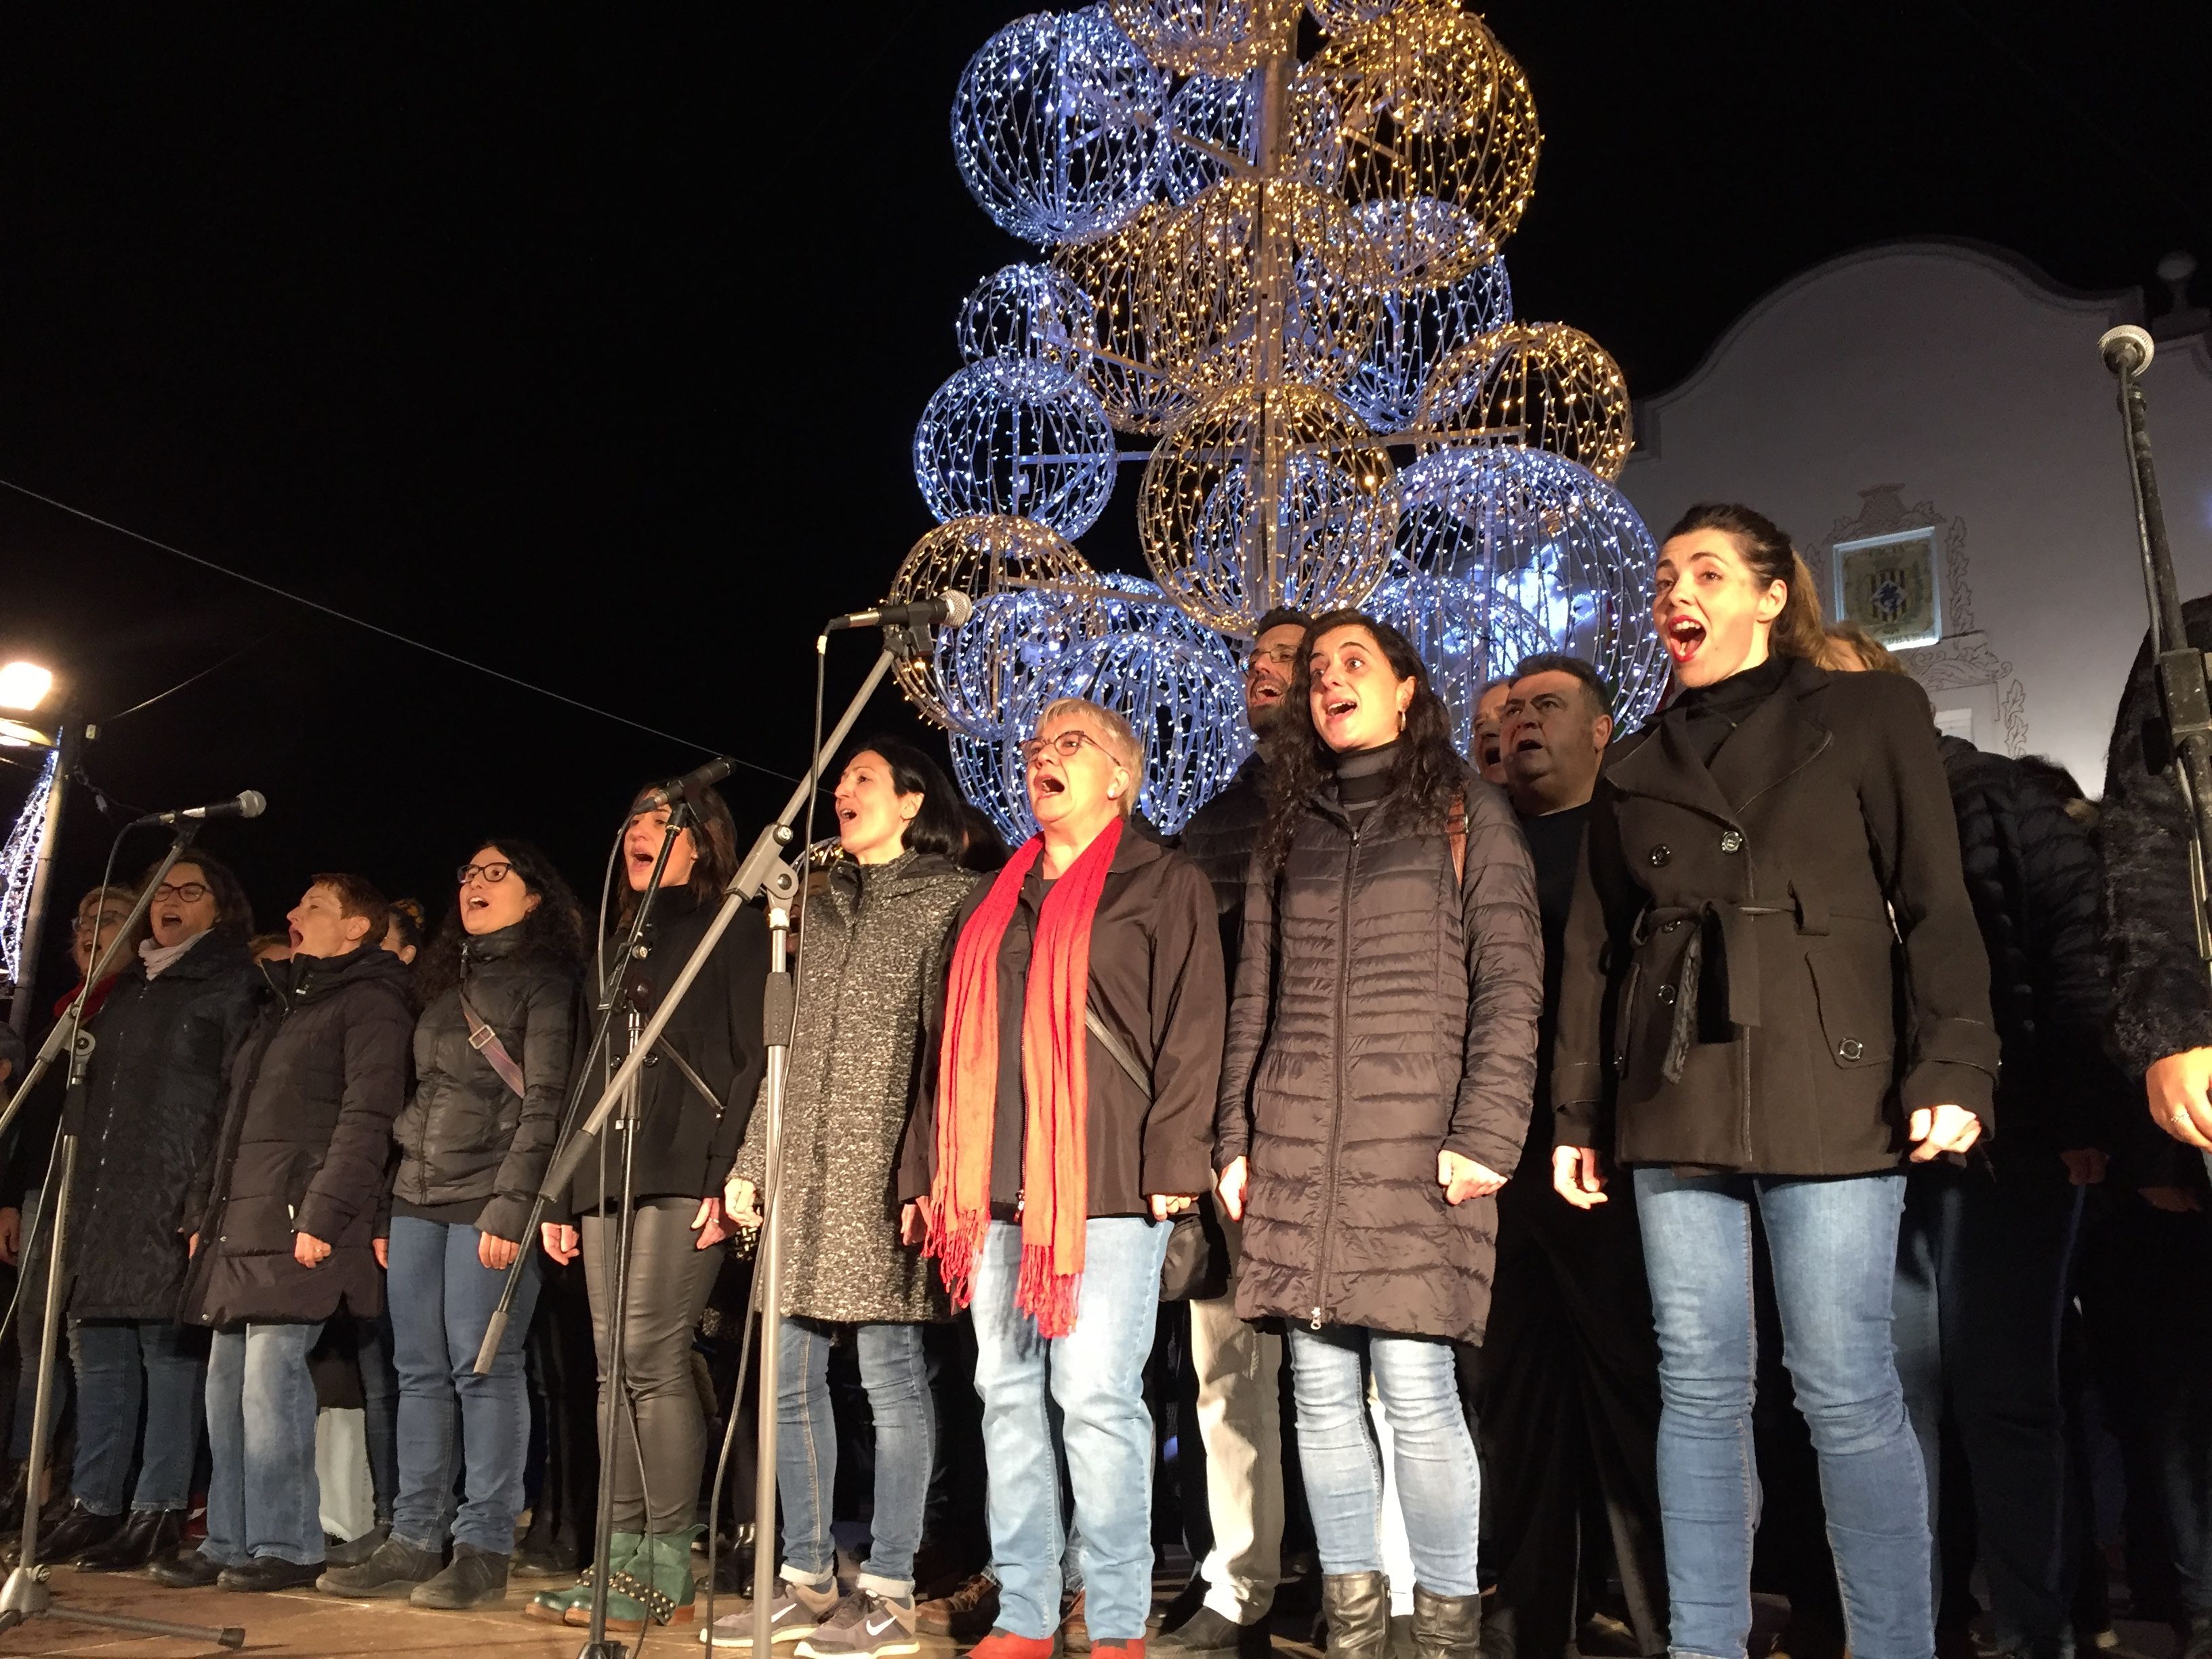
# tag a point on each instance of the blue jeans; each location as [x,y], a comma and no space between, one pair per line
[897,1381]
[263,1496]
[1088,1386]
[118,1365]
[1834,1248]
[1432,1453]
[441,1298]
[1982,1273]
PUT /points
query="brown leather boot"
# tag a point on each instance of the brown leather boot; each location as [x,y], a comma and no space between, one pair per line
[1447,1627]
[1357,1608]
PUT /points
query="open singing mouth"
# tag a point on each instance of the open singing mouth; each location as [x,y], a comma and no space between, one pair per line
[1684,636]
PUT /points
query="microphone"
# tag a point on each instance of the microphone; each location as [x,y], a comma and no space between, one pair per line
[2126,349]
[948,610]
[246,804]
[698,780]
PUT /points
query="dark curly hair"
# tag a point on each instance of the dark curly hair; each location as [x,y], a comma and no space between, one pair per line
[555,929]
[1427,776]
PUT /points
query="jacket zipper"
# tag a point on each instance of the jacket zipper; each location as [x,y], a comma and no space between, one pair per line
[1343,1024]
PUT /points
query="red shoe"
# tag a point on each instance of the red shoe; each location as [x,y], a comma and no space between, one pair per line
[1119,1649]
[1005,1644]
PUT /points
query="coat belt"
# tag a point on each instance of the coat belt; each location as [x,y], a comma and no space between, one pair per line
[1728,925]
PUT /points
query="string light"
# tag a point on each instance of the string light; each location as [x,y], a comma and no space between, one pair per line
[19,863]
[979,556]
[1056,126]
[1415,332]
[1027,311]
[1205,512]
[1011,436]
[1262,309]
[1208,37]
[1551,538]
[1426,105]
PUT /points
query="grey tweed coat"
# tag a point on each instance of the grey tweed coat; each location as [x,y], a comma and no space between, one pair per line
[872,967]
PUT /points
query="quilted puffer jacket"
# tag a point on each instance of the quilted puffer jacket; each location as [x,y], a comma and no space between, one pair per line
[1385,1011]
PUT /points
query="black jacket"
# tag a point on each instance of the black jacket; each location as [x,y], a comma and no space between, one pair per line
[305,1131]
[686,1143]
[146,1117]
[1156,983]
[2033,878]
[1734,986]
[1219,839]
[467,1137]
[1385,1012]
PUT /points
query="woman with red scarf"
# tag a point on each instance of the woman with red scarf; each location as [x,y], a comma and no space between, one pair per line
[1070,1116]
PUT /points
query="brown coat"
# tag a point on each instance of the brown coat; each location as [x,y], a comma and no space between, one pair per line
[1734,990]
[1156,983]
[1385,1011]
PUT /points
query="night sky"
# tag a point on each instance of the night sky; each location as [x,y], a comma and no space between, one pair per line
[589,346]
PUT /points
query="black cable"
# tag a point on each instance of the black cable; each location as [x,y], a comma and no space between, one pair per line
[189,679]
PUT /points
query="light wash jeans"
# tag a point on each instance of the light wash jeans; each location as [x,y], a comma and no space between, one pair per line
[896,1377]
[442,1298]
[1086,1390]
[1432,1453]
[1834,1246]
[263,1496]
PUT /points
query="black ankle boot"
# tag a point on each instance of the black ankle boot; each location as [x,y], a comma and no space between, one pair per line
[146,1536]
[11,1503]
[77,1531]
[1446,1627]
[1357,1608]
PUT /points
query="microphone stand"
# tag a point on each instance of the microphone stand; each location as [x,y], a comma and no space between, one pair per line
[25,1596]
[2184,694]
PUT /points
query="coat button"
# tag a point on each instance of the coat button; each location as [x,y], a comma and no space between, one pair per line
[1666,996]
[653,1060]
[1731,841]
[1850,1049]
[1661,855]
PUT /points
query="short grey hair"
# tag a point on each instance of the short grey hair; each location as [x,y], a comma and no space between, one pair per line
[1121,739]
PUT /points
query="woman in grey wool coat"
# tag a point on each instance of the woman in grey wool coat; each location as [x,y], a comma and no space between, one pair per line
[870,965]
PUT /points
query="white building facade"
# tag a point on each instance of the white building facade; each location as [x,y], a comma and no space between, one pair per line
[1931,423]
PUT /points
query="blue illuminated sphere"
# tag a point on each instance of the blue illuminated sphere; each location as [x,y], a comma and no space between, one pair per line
[1056,126]
[1465,634]
[1419,330]
[1012,436]
[1027,311]
[1561,545]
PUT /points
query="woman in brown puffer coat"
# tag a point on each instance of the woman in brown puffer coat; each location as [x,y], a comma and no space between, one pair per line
[1381,1058]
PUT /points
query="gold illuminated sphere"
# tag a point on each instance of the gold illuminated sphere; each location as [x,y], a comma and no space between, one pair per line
[1205,512]
[1203,274]
[1537,386]
[981,556]
[1426,105]
[1120,365]
[1208,37]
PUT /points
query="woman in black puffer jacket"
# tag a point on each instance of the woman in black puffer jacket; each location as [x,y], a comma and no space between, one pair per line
[493,1053]
[1381,1062]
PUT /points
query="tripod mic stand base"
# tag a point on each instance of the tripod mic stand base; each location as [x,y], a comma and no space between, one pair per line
[609,1649]
[25,1597]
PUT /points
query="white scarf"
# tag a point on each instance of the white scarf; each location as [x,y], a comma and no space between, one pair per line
[158,956]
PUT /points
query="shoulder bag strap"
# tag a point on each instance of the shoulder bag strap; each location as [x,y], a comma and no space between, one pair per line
[485,1042]
[1123,1056]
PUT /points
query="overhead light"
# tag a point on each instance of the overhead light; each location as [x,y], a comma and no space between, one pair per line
[24,685]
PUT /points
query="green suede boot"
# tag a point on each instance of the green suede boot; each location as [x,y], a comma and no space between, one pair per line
[656,1588]
[554,1605]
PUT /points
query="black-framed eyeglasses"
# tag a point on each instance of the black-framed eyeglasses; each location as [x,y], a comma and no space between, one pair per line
[191,892]
[1066,745]
[492,873]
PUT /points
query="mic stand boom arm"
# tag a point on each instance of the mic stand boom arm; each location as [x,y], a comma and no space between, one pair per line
[762,870]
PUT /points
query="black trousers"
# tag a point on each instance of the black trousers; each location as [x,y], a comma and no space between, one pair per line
[1569,1415]
[563,1380]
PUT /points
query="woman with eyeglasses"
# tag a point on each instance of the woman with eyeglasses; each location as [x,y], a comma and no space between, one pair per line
[149,1108]
[1069,1115]
[695,1097]
[499,985]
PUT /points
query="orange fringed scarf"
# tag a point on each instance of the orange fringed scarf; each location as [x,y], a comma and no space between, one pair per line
[1055,1091]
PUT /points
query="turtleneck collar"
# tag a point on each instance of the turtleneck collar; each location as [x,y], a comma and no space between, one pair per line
[155,957]
[1739,690]
[1366,763]
[492,947]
